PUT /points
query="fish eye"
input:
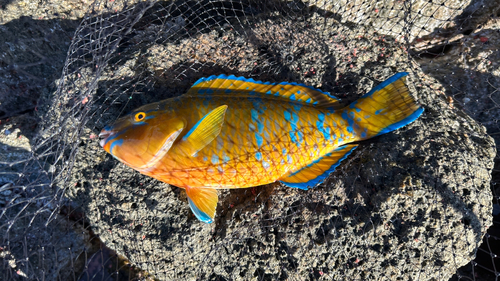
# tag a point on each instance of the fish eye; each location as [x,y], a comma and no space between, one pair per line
[139,116]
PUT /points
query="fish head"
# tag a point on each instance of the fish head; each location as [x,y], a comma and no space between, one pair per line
[141,138]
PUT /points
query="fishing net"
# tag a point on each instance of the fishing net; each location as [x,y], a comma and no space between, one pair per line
[420,203]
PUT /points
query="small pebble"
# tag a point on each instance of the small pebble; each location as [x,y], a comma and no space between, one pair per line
[7,132]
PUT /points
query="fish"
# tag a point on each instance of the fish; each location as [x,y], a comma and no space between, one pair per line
[234,132]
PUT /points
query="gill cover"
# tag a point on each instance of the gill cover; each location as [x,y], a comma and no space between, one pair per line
[141,141]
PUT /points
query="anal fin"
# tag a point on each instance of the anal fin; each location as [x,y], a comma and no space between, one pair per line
[314,173]
[203,202]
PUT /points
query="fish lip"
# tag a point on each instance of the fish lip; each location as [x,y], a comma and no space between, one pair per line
[105,135]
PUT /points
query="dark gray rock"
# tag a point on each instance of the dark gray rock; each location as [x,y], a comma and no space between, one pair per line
[414,203]
[36,241]
[415,19]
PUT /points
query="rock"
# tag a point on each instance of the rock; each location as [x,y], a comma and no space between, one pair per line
[54,246]
[413,204]
[426,17]
[467,65]
[33,54]
[33,232]
[476,57]
[13,149]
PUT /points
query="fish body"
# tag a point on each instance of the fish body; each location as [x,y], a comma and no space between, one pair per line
[233,132]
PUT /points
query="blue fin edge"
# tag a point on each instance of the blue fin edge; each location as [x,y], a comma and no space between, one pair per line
[241,78]
[319,179]
[402,123]
[198,213]
[388,81]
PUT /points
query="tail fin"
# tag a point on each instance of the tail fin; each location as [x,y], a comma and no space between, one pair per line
[387,107]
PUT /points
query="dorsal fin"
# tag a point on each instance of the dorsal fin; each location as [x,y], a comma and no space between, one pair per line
[224,85]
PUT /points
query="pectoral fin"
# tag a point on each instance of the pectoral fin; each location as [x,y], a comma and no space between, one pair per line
[203,132]
[318,170]
[203,202]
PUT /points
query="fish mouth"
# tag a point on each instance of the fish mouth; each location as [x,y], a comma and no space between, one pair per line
[105,135]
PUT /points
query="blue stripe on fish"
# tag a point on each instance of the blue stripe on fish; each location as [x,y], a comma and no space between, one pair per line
[320,124]
[115,136]
[363,134]
[260,127]
[255,115]
[258,104]
[295,134]
[403,122]
[297,106]
[301,137]
[118,142]
[259,139]
[295,120]
[349,119]
[215,159]
[258,156]
[288,115]
[293,138]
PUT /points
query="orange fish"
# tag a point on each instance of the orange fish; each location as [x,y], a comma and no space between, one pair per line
[234,132]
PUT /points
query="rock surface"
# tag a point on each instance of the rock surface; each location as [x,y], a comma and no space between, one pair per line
[421,18]
[411,204]
[36,242]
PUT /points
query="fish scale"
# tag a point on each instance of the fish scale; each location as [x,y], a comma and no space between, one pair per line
[234,132]
[248,160]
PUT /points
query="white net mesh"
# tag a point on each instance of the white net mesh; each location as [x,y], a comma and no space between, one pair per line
[420,203]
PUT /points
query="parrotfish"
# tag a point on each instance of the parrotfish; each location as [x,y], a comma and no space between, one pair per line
[234,132]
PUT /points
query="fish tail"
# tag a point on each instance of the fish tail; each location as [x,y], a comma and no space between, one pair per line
[387,107]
